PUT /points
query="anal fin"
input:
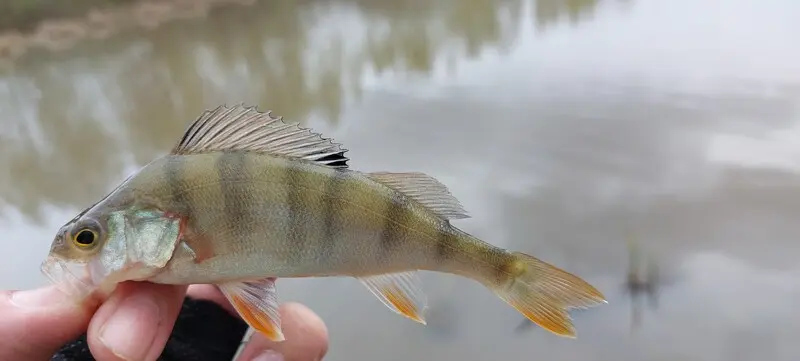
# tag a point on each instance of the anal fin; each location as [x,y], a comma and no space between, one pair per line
[257,304]
[401,292]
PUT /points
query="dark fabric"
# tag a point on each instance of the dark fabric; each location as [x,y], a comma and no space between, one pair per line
[204,331]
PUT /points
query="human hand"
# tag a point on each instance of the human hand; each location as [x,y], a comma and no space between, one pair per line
[134,324]
[306,334]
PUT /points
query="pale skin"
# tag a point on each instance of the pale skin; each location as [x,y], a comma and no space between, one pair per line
[34,324]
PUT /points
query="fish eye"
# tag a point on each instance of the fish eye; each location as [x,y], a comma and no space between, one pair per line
[85,238]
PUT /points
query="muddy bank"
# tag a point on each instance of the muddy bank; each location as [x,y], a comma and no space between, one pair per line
[25,15]
[59,25]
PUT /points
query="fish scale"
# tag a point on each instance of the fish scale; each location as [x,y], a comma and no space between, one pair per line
[244,198]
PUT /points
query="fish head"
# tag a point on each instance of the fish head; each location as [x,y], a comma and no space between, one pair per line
[96,250]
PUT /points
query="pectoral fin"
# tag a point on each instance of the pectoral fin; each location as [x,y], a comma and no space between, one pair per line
[401,292]
[257,303]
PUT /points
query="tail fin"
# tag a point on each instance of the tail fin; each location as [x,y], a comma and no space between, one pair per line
[544,293]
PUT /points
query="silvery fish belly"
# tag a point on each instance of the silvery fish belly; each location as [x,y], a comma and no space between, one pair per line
[244,198]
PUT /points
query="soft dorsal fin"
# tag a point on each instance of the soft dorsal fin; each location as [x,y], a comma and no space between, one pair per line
[244,128]
[424,189]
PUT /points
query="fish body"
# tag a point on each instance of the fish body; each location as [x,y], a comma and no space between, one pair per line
[244,199]
[275,216]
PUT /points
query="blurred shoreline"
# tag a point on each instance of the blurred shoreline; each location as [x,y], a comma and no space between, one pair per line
[56,25]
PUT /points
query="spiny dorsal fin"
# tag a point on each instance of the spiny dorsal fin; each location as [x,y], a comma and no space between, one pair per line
[244,128]
[424,189]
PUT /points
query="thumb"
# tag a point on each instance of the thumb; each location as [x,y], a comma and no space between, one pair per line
[306,338]
[34,324]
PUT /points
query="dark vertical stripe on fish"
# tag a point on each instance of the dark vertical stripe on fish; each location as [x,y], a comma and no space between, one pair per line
[231,167]
[177,185]
[331,209]
[293,183]
[396,214]
[445,243]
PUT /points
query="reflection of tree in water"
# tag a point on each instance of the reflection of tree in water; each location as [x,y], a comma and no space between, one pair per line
[423,28]
[552,12]
[137,93]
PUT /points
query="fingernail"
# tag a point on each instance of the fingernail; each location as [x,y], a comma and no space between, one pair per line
[269,355]
[131,329]
[47,296]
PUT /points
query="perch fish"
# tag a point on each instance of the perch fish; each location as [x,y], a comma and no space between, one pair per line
[244,198]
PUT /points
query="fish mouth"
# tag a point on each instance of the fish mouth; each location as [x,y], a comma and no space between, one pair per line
[71,278]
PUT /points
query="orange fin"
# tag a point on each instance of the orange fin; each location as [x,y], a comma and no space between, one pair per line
[257,303]
[400,292]
[545,294]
